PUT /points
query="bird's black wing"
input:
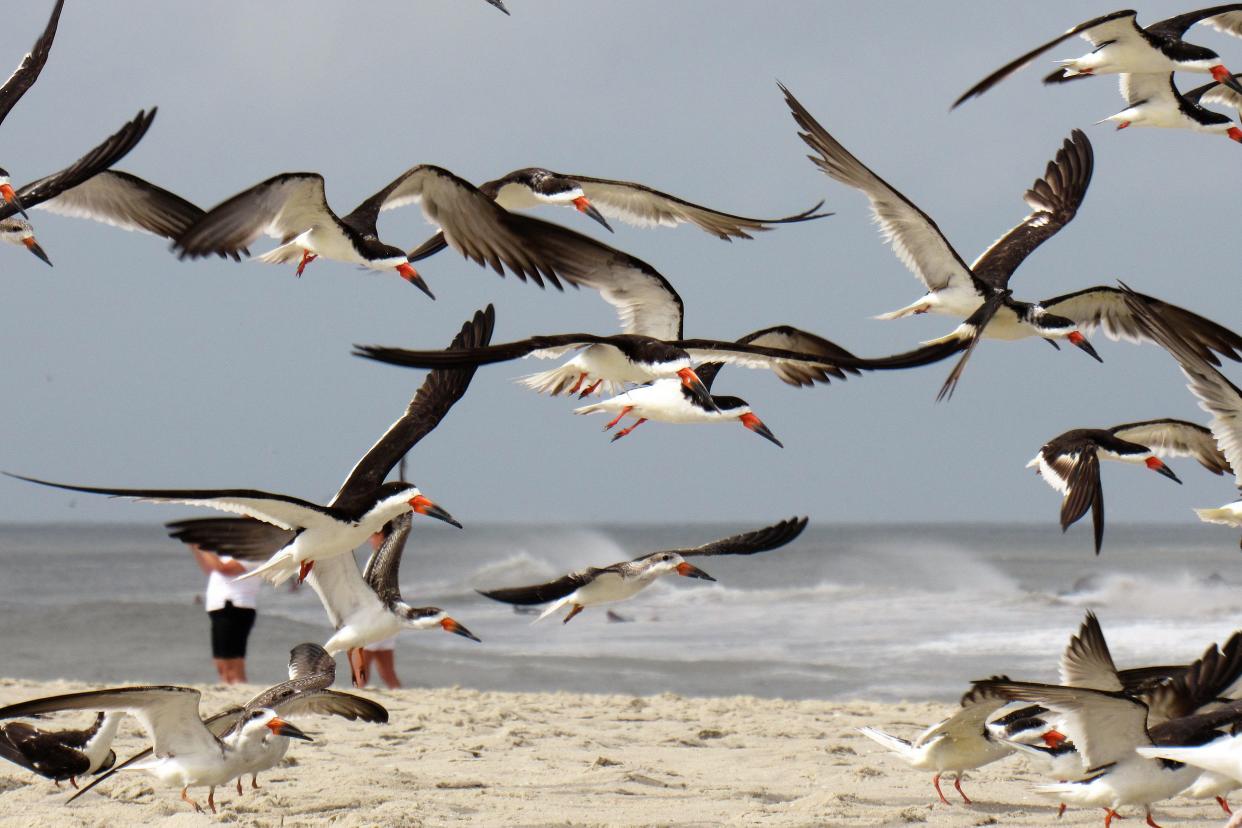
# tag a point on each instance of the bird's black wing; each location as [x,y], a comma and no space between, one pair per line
[439,392]
[542,593]
[28,70]
[747,543]
[1021,61]
[1054,201]
[112,150]
[243,538]
[556,345]
[383,570]
[1085,493]
[1175,27]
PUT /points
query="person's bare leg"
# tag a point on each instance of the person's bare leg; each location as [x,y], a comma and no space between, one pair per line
[386,666]
[222,669]
[358,666]
[232,670]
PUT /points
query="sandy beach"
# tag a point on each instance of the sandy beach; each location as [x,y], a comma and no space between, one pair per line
[464,757]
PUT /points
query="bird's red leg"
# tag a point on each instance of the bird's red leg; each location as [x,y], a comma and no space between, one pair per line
[1224,805]
[73,780]
[577,609]
[56,782]
[1109,813]
[307,258]
[1061,811]
[940,793]
[239,791]
[186,796]
[211,798]
[1151,821]
[957,783]
[254,781]
[304,570]
[626,431]
[590,389]
[577,384]
[617,418]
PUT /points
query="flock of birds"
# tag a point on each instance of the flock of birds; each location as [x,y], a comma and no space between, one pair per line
[1112,738]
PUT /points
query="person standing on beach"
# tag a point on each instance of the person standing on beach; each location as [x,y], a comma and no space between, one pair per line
[231,605]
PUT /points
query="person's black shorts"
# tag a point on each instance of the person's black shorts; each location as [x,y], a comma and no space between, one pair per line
[230,627]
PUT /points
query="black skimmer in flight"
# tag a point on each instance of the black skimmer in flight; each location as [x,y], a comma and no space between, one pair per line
[1217,396]
[635,358]
[363,607]
[956,289]
[185,751]
[669,401]
[1105,726]
[85,189]
[364,502]
[499,4]
[1153,100]
[307,692]
[1070,462]
[628,201]
[960,743]
[293,207]
[651,313]
[62,754]
[321,531]
[1120,45]
[19,82]
[617,582]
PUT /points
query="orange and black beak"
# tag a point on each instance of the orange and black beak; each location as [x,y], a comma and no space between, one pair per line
[408,273]
[10,197]
[588,208]
[452,626]
[691,381]
[282,728]
[1157,465]
[33,247]
[756,425]
[1234,133]
[1222,75]
[691,571]
[1081,341]
[423,506]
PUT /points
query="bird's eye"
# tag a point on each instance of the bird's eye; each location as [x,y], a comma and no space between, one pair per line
[256,714]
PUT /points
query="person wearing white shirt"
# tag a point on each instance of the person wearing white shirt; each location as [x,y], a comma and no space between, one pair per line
[232,607]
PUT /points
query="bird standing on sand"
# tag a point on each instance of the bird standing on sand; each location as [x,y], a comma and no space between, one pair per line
[62,754]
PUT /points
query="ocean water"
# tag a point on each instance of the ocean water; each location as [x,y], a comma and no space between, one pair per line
[853,611]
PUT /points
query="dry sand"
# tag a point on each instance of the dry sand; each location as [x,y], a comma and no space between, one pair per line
[463,757]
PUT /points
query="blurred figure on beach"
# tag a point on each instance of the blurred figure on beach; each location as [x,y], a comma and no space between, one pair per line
[381,654]
[232,606]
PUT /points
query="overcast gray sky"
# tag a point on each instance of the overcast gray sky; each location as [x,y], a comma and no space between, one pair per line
[126,367]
